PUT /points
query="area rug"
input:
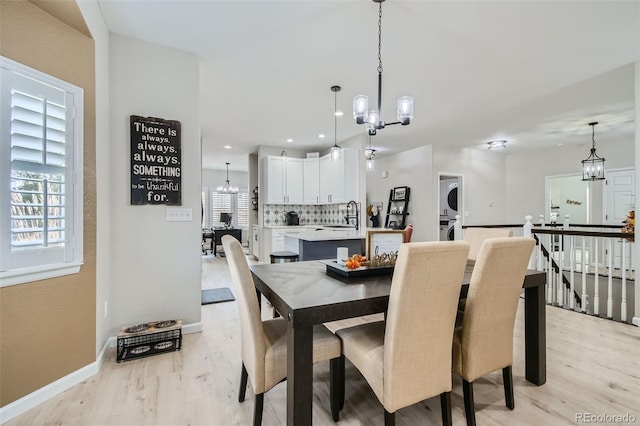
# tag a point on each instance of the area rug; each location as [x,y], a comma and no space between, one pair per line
[217,295]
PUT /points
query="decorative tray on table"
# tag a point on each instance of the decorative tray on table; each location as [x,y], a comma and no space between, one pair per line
[333,268]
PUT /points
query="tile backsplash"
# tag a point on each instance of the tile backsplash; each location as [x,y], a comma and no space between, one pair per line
[326,214]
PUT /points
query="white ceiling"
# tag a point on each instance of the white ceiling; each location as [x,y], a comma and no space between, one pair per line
[532,72]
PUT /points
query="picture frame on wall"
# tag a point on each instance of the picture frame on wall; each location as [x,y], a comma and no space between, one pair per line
[399,193]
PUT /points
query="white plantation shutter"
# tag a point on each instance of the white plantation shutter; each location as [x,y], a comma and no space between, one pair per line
[242,210]
[220,203]
[236,204]
[41,213]
[38,158]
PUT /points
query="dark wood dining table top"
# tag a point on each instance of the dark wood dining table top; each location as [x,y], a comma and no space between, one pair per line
[305,290]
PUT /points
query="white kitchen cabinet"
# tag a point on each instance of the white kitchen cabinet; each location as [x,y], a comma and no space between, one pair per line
[277,240]
[311,180]
[339,179]
[284,180]
[294,180]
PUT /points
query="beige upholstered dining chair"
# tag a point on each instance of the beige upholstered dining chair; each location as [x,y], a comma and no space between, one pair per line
[264,343]
[408,359]
[476,236]
[484,341]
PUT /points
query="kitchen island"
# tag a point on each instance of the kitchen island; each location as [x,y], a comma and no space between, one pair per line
[312,244]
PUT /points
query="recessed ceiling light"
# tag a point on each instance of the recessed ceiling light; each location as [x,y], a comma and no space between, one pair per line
[321,136]
[227,147]
[560,144]
[289,140]
[497,144]
[338,113]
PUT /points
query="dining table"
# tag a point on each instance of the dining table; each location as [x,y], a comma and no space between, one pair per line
[306,294]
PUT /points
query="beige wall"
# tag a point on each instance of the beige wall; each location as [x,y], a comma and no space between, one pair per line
[47,328]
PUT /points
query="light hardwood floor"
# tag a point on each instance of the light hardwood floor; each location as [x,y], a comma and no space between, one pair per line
[593,366]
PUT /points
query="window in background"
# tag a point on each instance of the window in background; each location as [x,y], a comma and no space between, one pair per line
[41,161]
[236,204]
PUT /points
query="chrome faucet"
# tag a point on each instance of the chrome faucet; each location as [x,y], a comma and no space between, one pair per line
[356,215]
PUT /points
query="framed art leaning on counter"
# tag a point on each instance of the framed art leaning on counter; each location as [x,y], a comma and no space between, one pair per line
[383,241]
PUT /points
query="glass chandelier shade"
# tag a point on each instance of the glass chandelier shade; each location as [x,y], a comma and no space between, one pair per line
[227,188]
[369,155]
[373,119]
[593,165]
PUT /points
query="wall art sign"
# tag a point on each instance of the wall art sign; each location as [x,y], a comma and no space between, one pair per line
[156,160]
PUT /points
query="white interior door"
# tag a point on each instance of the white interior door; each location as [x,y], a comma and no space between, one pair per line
[620,190]
[619,199]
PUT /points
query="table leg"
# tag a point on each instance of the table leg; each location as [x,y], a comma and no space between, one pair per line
[535,335]
[299,374]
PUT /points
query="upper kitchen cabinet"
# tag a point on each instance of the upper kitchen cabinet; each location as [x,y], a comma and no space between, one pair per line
[311,180]
[284,180]
[339,179]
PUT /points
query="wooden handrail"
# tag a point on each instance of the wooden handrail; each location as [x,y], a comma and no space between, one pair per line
[562,231]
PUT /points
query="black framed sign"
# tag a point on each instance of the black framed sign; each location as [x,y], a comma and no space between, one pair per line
[399,193]
[156,160]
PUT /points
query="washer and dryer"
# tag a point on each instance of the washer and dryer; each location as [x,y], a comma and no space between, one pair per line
[448,207]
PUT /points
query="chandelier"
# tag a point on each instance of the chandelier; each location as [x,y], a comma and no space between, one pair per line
[336,151]
[593,166]
[373,119]
[227,188]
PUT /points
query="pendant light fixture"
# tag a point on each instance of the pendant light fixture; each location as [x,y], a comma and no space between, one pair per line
[227,188]
[336,151]
[373,119]
[370,154]
[593,166]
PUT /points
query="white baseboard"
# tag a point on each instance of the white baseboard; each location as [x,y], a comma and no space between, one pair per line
[39,396]
[636,321]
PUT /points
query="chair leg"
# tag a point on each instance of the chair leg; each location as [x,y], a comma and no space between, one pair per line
[243,383]
[389,418]
[336,386]
[507,378]
[469,410]
[342,382]
[445,405]
[257,410]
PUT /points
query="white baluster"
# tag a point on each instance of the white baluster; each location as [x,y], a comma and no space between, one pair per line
[610,281]
[584,275]
[457,228]
[623,304]
[560,288]
[550,280]
[572,260]
[526,232]
[540,237]
[596,296]
[563,253]
[526,229]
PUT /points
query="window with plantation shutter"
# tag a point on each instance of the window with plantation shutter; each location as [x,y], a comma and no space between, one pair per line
[216,203]
[41,159]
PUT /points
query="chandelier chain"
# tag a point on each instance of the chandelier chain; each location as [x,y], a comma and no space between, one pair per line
[593,136]
[380,37]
